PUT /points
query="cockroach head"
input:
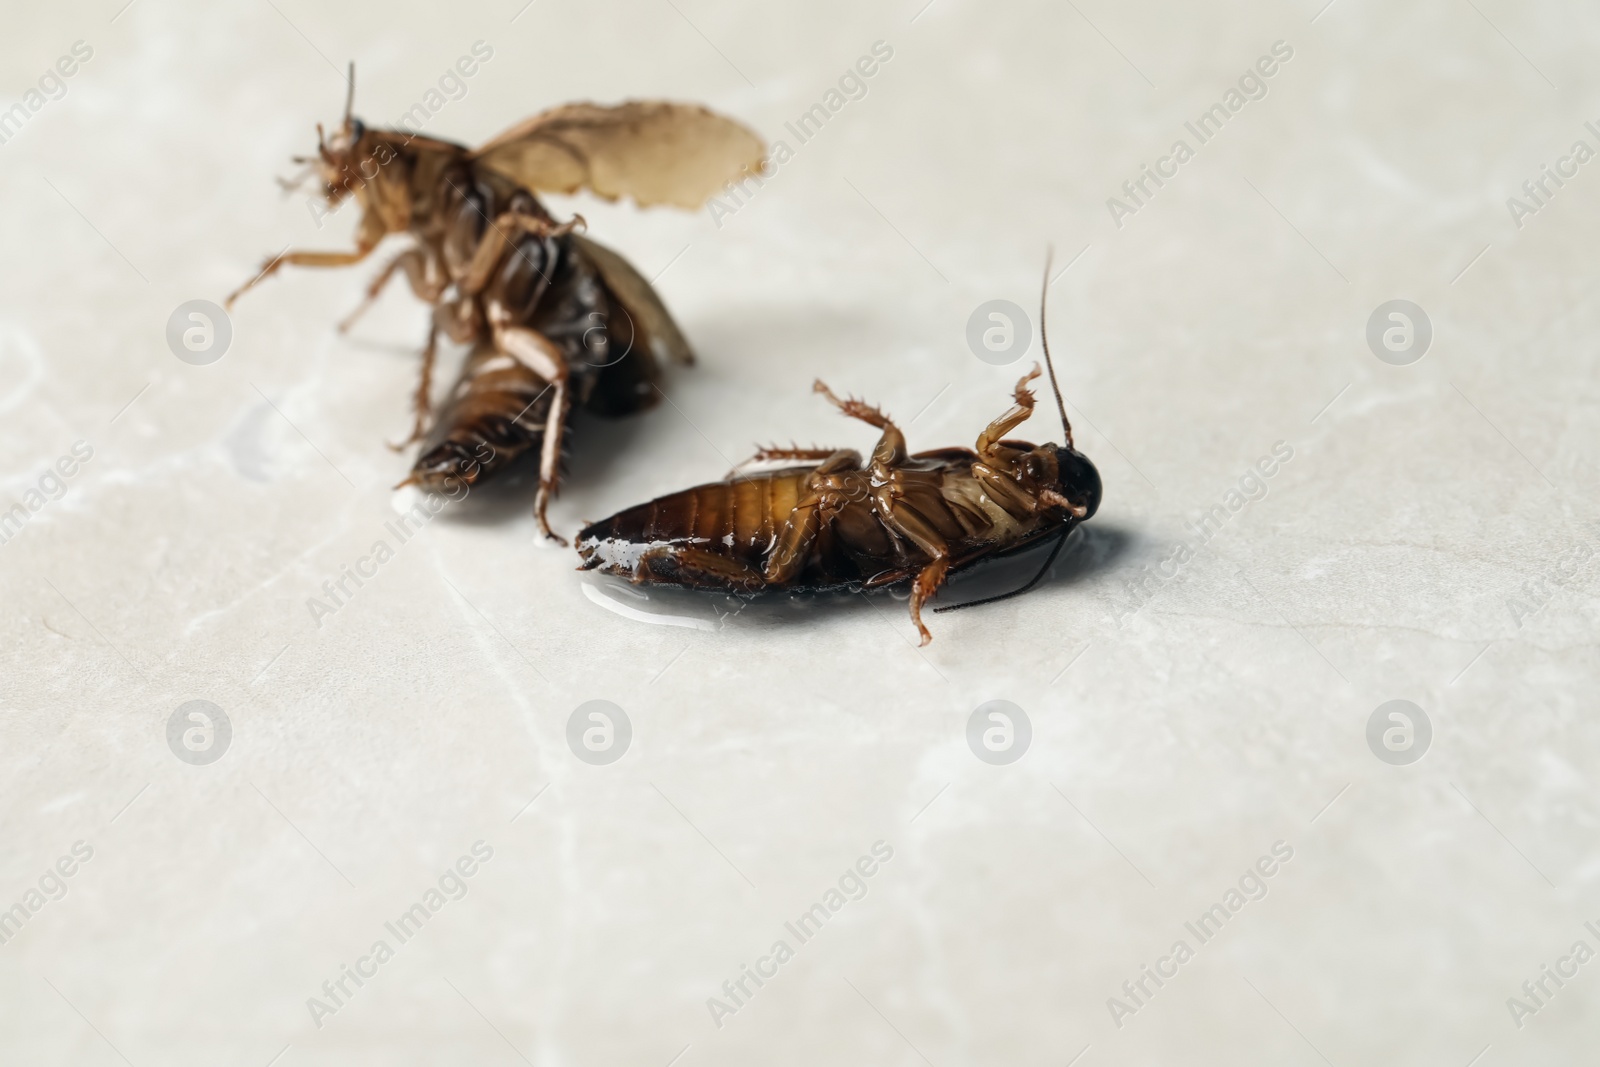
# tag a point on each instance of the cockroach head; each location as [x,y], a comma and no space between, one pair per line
[339,155]
[1077,481]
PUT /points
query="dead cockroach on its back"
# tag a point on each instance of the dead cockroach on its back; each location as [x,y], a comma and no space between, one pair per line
[555,319]
[833,523]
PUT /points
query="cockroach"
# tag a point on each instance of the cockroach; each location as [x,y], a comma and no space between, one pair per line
[555,319]
[833,523]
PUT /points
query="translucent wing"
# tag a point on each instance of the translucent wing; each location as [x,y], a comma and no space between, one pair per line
[653,328]
[653,151]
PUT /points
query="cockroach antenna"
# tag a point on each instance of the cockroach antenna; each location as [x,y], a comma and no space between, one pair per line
[1044,341]
[350,95]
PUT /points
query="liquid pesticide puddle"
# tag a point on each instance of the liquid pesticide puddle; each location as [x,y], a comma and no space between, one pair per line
[627,611]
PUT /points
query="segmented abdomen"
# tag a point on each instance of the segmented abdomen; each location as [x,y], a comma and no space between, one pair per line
[497,402]
[737,519]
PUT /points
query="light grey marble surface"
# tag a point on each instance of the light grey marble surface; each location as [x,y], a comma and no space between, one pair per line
[1431,538]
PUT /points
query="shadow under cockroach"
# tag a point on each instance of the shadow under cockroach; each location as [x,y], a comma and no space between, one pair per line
[1089,550]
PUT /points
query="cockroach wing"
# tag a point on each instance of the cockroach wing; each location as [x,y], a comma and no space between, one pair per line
[654,151]
[653,328]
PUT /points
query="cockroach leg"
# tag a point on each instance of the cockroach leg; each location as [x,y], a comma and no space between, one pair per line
[988,446]
[298,259]
[415,264]
[824,498]
[890,450]
[501,236]
[458,320]
[801,453]
[540,355]
[576,224]
[420,405]
[696,567]
[840,459]
[929,579]
[855,409]
[995,459]
[419,401]
[916,529]
[795,539]
[1006,492]
[487,256]
[766,455]
[1052,499]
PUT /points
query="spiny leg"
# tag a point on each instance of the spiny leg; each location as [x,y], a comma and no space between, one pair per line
[420,400]
[995,432]
[1005,490]
[298,259]
[921,533]
[492,247]
[995,459]
[836,461]
[373,290]
[459,319]
[765,455]
[855,409]
[500,237]
[929,579]
[890,450]
[415,264]
[824,498]
[696,568]
[889,454]
[794,541]
[544,359]
[1052,499]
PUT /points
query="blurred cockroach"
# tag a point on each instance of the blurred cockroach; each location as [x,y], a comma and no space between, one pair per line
[835,524]
[556,319]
